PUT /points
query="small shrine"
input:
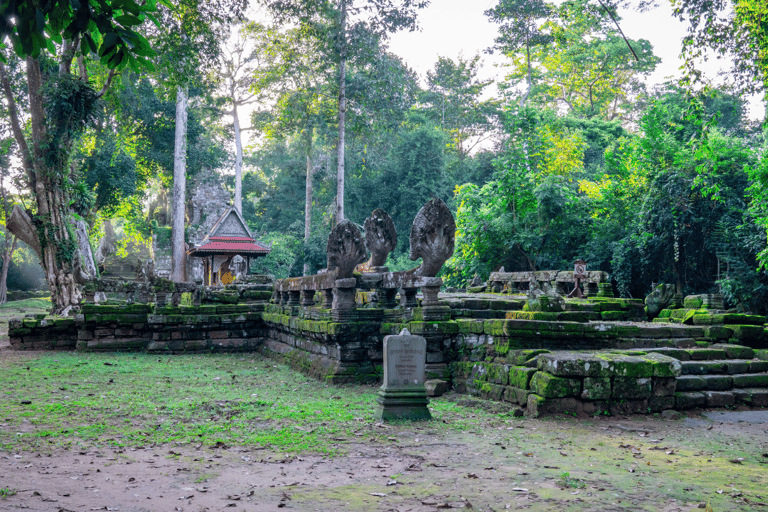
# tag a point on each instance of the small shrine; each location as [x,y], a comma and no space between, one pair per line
[227,246]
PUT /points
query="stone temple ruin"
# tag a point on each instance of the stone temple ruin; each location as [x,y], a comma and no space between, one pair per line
[515,338]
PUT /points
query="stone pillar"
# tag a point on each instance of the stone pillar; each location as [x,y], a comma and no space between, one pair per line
[160,299]
[294,298]
[388,298]
[327,298]
[307,298]
[408,298]
[343,307]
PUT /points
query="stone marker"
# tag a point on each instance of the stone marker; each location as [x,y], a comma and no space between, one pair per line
[402,395]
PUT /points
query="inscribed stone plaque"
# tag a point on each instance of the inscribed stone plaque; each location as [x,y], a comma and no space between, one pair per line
[404,360]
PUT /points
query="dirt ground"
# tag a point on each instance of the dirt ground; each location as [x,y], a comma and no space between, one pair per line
[637,463]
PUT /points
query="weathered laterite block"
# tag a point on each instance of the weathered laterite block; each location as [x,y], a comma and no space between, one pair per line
[549,386]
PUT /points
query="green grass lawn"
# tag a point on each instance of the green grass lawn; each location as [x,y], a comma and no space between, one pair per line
[128,400]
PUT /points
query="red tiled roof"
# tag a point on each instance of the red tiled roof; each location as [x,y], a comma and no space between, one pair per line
[239,245]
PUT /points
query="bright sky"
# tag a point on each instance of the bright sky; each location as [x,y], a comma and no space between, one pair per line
[452,27]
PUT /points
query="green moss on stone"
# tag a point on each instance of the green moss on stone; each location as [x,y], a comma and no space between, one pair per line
[549,386]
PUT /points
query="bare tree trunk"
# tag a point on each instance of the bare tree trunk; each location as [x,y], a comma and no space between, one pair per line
[6,257]
[342,116]
[86,270]
[178,252]
[238,159]
[308,194]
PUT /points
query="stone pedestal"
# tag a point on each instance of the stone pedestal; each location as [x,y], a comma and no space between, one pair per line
[403,396]
[605,290]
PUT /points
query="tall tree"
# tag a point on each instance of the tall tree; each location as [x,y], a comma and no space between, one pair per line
[348,29]
[522,30]
[61,106]
[189,40]
[454,98]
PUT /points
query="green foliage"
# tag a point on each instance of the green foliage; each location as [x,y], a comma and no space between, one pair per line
[108,28]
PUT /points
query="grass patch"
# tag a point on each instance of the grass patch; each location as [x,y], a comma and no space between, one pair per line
[566,481]
[128,400]
[5,492]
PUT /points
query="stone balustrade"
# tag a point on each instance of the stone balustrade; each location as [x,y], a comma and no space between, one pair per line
[561,280]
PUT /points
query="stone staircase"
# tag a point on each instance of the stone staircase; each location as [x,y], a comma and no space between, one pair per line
[720,375]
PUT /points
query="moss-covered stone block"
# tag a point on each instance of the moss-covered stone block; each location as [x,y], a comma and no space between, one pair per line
[629,366]
[751,380]
[747,333]
[493,327]
[693,302]
[550,386]
[663,365]
[717,332]
[422,328]
[613,316]
[743,319]
[573,316]
[546,316]
[629,388]
[520,376]
[735,351]
[575,364]
[596,388]
[498,374]
[689,400]
[610,305]
[469,326]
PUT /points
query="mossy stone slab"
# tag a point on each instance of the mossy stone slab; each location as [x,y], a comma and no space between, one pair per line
[550,386]
[575,364]
[520,376]
[596,388]
[735,351]
[629,388]
[629,366]
[689,399]
[751,380]
[747,332]
[663,365]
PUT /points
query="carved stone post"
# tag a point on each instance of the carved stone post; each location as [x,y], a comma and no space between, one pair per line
[408,298]
[430,290]
[343,307]
[294,298]
[307,298]
[327,298]
[388,298]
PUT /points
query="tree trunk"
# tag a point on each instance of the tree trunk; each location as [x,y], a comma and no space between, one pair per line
[6,257]
[86,270]
[308,194]
[342,115]
[178,249]
[238,159]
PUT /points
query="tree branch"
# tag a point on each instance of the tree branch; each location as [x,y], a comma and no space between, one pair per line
[112,73]
[18,134]
[618,27]
[20,224]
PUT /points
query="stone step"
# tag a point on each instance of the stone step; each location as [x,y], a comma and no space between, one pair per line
[718,351]
[755,397]
[721,382]
[726,366]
